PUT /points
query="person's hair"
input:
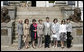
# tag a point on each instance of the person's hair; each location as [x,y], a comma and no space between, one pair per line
[63,21]
[19,20]
[33,20]
[26,20]
[47,17]
[67,19]
[40,20]
[55,19]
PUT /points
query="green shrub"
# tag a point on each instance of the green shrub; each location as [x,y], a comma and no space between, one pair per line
[51,1]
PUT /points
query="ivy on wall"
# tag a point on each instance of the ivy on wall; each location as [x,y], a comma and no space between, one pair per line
[23,1]
[51,1]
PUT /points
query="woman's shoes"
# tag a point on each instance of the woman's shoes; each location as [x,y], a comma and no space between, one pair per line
[18,48]
[62,47]
[34,47]
[55,46]
[27,47]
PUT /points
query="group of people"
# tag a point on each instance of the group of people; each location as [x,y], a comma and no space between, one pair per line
[48,32]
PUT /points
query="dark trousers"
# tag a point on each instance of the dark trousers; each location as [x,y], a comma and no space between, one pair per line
[68,40]
[47,40]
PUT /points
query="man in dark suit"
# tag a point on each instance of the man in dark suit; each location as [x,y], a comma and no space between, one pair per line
[69,36]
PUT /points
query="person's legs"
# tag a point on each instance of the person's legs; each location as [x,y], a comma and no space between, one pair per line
[34,44]
[45,41]
[26,42]
[62,43]
[48,39]
[68,40]
[56,42]
[51,41]
[19,42]
[38,41]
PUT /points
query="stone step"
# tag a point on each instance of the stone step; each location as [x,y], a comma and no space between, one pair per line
[36,13]
[15,41]
[37,18]
[15,44]
[39,13]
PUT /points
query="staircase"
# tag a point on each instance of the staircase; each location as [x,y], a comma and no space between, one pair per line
[37,13]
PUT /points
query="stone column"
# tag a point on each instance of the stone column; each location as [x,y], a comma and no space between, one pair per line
[47,3]
[1,3]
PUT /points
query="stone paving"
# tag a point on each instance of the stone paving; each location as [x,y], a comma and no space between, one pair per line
[14,48]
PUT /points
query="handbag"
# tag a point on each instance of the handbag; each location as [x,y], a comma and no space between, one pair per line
[71,38]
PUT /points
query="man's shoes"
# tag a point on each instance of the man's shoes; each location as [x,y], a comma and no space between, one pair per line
[18,48]
[48,47]
[45,47]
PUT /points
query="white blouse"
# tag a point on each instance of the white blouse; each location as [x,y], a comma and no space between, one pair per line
[62,28]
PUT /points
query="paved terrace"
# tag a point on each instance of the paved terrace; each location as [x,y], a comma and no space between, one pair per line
[75,47]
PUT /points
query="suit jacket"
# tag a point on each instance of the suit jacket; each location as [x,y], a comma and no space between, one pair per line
[47,30]
[20,29]
[69,27]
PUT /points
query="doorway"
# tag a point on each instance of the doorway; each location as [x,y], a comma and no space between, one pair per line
[33,3]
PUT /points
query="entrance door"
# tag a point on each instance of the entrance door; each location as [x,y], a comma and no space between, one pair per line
[33,3]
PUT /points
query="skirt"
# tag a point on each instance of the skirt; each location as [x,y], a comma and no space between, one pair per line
[63,36]
[55,36]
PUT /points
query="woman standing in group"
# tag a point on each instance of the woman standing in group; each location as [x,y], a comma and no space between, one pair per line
[33,29]
[40,32]
[62,31]
[20,33]
[26,33]
[55,32]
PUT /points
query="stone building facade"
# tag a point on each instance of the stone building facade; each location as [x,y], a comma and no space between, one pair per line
[40,10]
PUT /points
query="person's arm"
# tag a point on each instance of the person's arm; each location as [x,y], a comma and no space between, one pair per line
[17,28]
[24,30]
[31,28]
[38,30]
[51,28]
[71,27]
[43,29]
[58,26]
[57,29]
[43,26]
